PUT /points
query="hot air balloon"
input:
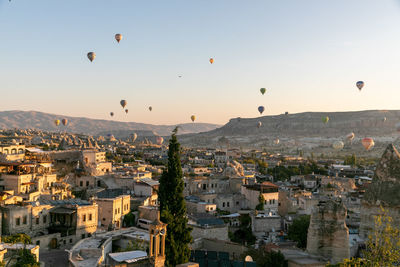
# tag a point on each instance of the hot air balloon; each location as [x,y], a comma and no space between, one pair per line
[368,143]
[193,117]
[134,137]
[150,108]
[126,111]
[360,85]
[325,119]
[350,136]
[123,103]
[211,60]
[261,109]
[338,145]
[276,141]
[160,140]
[118,37]
[263,90]
[91,56]
[57,122]
[259,124]
[64,122]
[111,114]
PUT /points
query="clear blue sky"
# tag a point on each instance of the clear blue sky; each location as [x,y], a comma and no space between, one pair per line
[308,54]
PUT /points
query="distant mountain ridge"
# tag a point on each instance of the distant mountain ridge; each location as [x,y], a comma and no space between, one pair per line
[45,121]
[300,127]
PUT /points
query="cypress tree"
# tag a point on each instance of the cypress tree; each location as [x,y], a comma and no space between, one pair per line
[173,208]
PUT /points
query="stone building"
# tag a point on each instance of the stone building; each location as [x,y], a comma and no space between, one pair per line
[383,192]
[328,235]
[113,206]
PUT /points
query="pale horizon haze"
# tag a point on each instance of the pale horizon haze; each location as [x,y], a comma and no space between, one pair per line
[307,54]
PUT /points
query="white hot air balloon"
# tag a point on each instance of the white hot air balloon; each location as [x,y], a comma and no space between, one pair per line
[338,145]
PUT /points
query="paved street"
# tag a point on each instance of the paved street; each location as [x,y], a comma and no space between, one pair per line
[54,258]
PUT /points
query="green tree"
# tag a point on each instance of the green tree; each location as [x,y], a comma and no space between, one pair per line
[261,200]
[129,220]
[351,160]
[383,245]
[26,259]
[244,235]
[267,259]
[17,238]
[173,207]
[298,230]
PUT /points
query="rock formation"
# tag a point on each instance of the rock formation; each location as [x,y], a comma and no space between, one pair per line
[383,192]
[328,235]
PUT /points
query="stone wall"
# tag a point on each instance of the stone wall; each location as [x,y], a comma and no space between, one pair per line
[217,232]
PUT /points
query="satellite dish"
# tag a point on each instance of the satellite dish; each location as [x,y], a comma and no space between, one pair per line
[248,258]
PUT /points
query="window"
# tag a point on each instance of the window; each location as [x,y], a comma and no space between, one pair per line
[227,204]
[83,236]
[90,217]
[87,183]
[223,204]
[70,240]
[119,210]
[237,203]
[104,219]
[84,218]
[18,221]
[25,220]
[37,220]
[44,218]
[116,211]
[38,243]
[81,183]
[204,186]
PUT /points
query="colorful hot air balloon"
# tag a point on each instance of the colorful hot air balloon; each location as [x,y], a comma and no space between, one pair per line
[261,109]
[134,137]
[193,117]
[64,122]
[211,60]
[350,136]
[160,140]
[123,103]
[118,37]
[150,108]
[263,90]
[126,111]
[338,145]
[259,124]
[57,122]
[325,119]
[111,114]
[91,56]
[368,143]
[276,141]
[360,85]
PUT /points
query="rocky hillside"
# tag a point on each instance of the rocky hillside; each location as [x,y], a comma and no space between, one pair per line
[45,121]
[304,131]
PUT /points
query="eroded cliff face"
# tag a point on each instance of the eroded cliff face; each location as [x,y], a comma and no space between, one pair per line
[384,191]
[328,235]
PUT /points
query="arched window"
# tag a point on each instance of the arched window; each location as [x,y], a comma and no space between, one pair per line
[13,151]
